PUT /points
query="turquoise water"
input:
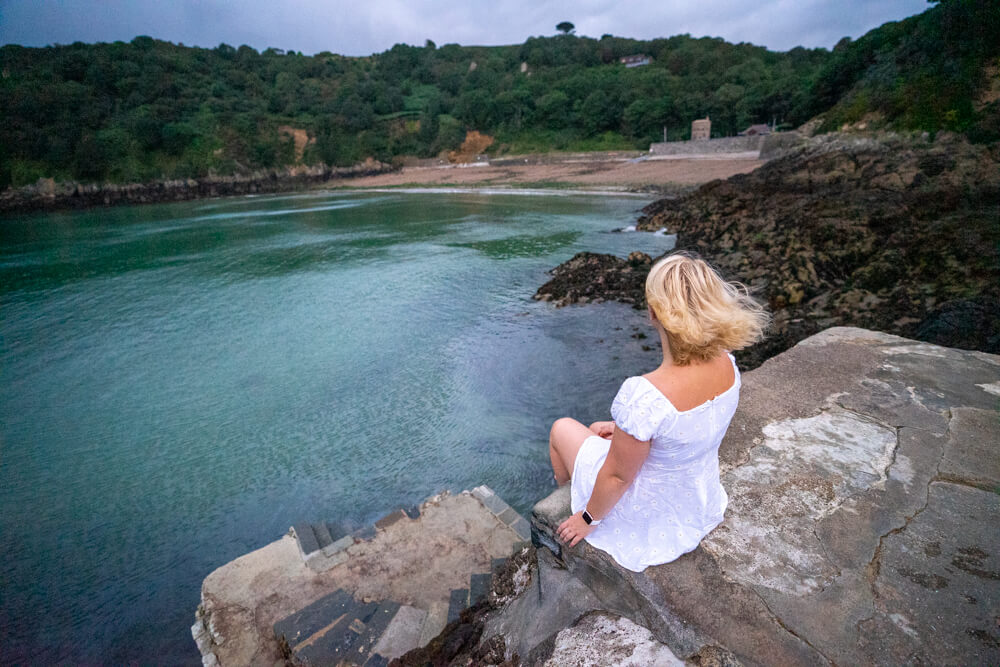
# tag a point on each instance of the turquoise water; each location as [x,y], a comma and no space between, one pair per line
[180,383]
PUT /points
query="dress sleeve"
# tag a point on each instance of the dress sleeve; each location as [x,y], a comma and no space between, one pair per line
[639,408]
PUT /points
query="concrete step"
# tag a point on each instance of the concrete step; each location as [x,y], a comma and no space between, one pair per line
[479,586]
[336,642]
[321,543]
[306,622]
[458,601]
[325,631]
[502,511]
[336,629]
[330,538]
[305,537]
[375,627]
[323,536]
[402,634]
[437,619]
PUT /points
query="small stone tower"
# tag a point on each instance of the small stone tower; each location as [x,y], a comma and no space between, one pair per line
[701,129]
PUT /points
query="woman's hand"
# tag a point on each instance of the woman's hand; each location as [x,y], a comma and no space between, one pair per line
[574,529]
[603,429]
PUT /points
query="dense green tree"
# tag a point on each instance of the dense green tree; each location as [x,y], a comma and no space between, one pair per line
[148,108]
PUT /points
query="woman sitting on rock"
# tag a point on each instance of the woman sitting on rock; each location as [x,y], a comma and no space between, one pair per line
[645,487]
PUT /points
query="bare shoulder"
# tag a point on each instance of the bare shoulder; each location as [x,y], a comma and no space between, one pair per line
[689,386]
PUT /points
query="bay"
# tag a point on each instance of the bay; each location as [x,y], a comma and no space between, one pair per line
[182,382]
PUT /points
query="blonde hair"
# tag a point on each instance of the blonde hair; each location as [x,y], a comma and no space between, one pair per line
[702,314]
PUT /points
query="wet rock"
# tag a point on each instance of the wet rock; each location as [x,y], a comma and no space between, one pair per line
[592,277]
[892,233]
[972,324]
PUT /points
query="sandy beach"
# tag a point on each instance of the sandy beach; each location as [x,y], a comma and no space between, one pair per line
[598,171]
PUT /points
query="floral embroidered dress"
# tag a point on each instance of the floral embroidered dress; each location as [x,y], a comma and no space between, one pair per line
[676,498]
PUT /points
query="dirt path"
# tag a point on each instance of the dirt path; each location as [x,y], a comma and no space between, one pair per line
[590,171]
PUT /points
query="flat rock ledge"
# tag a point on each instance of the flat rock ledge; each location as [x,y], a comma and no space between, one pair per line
[863,472]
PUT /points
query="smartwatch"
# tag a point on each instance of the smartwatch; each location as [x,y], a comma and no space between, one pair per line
[589,520]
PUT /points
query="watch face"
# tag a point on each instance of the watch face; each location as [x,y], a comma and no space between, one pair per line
[587,518]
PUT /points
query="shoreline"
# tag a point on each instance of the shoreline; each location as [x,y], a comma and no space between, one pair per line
[48,195]
[501,190]
[602,174]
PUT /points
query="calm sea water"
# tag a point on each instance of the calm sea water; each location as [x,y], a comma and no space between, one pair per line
[180,383]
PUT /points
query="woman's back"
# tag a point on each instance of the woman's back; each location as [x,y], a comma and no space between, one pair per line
[652,491]
[676,498]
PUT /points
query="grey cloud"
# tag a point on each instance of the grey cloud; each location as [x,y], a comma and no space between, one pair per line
[361,28]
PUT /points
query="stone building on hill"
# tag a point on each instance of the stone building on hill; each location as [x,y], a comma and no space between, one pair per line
[701,129]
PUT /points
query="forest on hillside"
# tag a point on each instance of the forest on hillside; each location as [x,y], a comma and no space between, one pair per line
[149,109]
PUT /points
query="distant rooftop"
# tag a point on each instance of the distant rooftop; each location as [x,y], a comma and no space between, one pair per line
[637,60]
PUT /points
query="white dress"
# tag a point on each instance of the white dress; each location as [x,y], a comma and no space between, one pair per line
[676,498]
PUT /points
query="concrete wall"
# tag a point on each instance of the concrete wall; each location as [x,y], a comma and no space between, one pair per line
[707,146]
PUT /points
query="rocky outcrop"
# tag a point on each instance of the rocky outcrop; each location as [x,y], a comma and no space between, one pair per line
[862,471]
[893,233]
[47,194]
[592,277]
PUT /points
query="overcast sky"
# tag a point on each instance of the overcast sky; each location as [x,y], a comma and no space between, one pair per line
[370,26]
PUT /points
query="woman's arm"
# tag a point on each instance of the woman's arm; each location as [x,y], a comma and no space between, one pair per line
[603,429]
[625,458]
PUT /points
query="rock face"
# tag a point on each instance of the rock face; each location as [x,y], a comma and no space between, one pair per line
[863,471]
[896,234]
[49,195]
[591,277]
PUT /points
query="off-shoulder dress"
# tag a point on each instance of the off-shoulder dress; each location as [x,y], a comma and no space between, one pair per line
[676,498]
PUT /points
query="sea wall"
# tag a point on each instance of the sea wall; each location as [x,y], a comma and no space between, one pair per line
[48,194]
[863,473]
[708,146]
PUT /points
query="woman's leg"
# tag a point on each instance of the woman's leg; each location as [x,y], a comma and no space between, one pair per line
[565,439]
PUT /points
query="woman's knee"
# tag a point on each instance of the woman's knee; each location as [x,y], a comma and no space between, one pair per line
[560,427]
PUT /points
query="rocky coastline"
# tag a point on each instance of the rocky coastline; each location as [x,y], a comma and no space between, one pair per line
[895,233]
[48,194]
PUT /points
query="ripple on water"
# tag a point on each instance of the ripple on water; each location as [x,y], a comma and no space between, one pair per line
[182,382]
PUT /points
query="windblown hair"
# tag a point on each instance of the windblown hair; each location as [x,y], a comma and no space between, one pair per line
[702,314]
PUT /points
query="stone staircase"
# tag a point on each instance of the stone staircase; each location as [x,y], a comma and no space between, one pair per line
[347,627]
[339,630]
